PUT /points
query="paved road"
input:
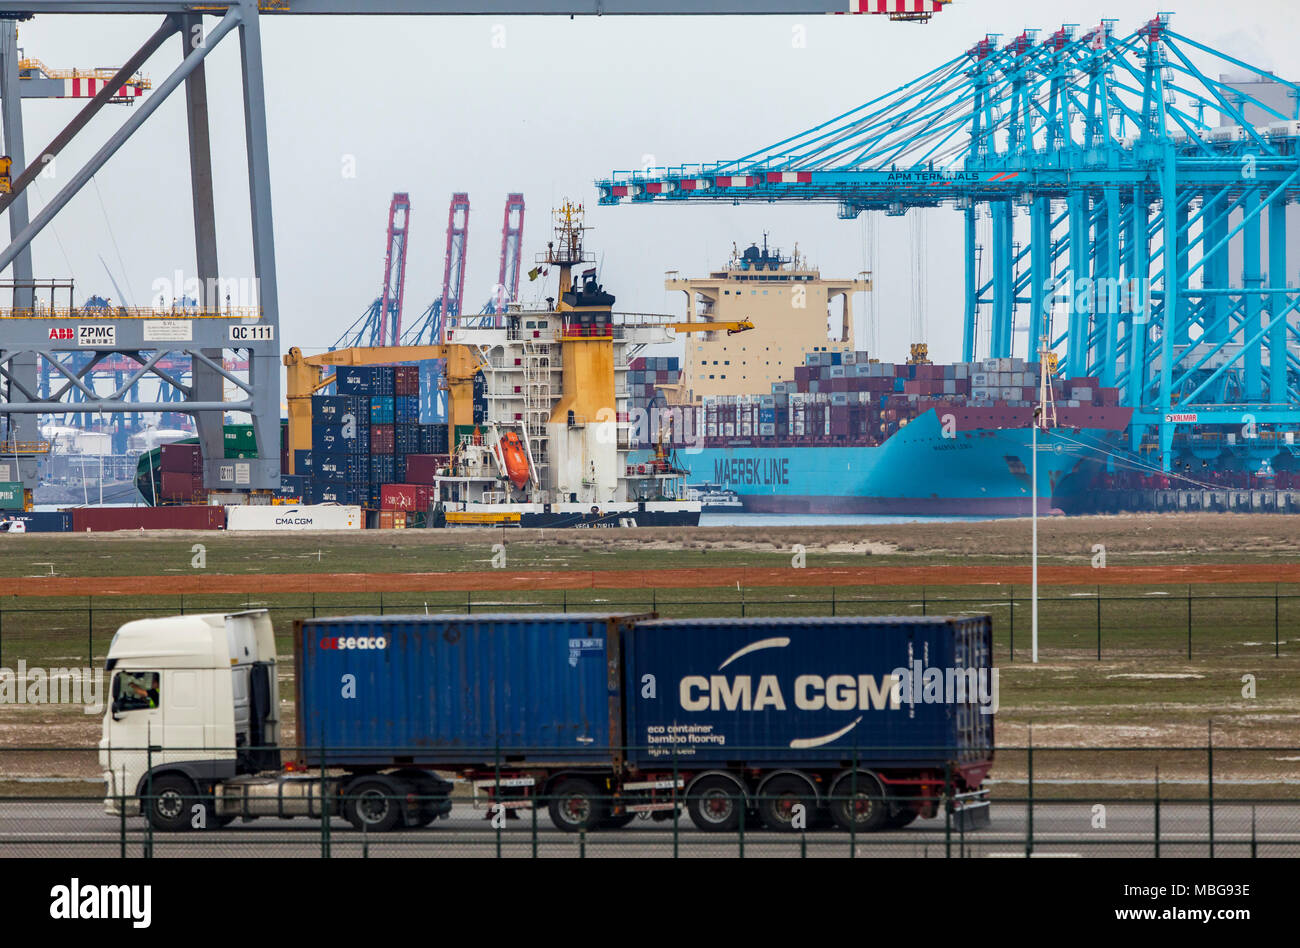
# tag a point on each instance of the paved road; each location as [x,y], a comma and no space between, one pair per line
[79,828]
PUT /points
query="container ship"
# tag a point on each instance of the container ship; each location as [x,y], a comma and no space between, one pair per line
[537,433]
[855,436]
[797,419]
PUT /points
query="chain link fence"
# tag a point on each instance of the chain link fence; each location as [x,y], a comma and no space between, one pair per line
[1183,622]
[1160,802]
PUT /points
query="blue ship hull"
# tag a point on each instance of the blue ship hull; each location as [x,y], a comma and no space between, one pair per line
[916,471]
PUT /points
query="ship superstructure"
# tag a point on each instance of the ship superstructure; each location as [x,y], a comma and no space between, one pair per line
[553,398]
[793,309]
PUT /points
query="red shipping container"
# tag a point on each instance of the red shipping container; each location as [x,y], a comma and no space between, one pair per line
[422,468]
[381,439]
[177,485]
[406,380]
[181,458]
[101,519]
[403,497]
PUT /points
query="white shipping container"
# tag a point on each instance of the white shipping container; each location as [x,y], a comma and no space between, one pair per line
[288,517]
[1081,394]
[980,394]
[979,378]
[1009,394]
[989,365]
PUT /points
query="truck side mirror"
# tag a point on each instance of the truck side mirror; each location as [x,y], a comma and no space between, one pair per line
[117,709]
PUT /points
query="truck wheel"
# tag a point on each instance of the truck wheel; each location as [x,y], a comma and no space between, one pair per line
[372,804]
[863,811]
[576,805]
[778,798]
[169,805]
[714,804]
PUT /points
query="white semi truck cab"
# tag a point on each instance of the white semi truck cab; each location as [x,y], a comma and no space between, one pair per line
[192,735]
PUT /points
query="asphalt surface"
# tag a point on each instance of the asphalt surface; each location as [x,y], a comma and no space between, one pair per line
[80,829]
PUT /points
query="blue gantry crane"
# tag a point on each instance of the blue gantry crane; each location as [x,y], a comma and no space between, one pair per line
[1139,188]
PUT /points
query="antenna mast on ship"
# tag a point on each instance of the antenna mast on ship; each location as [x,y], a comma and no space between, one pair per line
[1046,369]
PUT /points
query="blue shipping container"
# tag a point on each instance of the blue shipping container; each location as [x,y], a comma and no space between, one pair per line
[330,409]
[791,691]
[381,410]
[41,521]
[302,461]
[329,438]
[456,688]
[325,492]
[406,409]
[383,470]
[365,380]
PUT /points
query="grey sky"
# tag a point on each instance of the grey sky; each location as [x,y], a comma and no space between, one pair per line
[429,106]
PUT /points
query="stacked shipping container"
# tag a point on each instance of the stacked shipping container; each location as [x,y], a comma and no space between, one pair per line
[368,442]
[846,398]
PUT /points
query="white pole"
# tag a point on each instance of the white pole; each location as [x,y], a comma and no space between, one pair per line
[1033,609]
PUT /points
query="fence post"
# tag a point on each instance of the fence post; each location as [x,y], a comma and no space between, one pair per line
[1157,812]
[1029,816]
[1013,623]
[742,602]
[565,599]
[90,631]
[182,603]
[922,600]
[832,602]
[743,808]
[325,807]
[1209,773]
[469,601]
[496,795]
[1276,616]
[676,809]
[1099,623]
[1189,622]
[121,823]
[148,796]
[1253,852]
[947,811]
[533,810]
[313,605]
[654,599]
[2,637]
[381,603]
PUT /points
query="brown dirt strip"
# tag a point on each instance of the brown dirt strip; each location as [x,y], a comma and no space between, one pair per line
[637,579]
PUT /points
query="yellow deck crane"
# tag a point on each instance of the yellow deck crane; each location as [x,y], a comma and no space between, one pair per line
[307,376]
[732,328]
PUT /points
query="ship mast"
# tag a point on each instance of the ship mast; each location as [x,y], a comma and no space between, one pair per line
[1046,415]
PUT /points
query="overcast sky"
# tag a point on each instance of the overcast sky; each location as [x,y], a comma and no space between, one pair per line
[539,105]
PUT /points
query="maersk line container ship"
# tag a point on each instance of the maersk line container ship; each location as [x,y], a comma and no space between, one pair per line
[851,435]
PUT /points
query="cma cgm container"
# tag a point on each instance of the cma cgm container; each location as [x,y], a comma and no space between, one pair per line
[790,691]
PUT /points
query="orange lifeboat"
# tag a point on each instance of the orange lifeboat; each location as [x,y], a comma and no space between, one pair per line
[515,458]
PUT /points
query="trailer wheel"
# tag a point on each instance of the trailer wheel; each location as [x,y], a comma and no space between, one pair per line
[858,803]
[714,804]
[576,805]
[372,804]
[778,799]
[169,807]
